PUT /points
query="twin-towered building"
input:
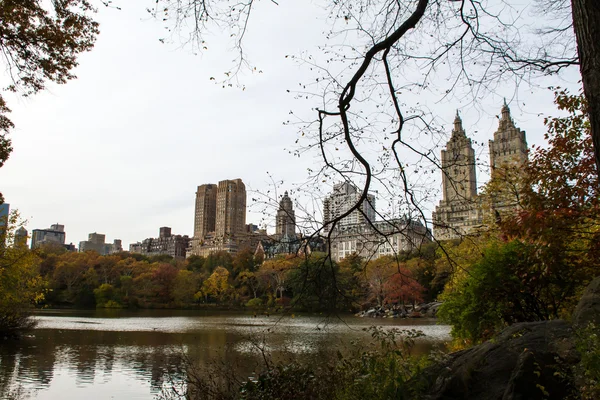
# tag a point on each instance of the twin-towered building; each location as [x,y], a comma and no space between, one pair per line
[220,218]
[461,210]
[220,209]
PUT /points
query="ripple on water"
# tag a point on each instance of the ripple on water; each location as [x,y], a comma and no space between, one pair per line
[242,325]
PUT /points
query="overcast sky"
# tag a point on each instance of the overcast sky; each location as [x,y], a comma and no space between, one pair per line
[121,150]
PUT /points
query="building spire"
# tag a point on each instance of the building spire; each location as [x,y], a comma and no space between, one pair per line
[457,123]
[505,111]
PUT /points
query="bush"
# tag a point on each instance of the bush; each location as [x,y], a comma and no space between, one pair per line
[511,283]
[20,284]
[257,302]
[587,373]
[112,304]
[384,372]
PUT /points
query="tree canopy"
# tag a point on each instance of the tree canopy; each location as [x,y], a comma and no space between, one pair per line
[40,42]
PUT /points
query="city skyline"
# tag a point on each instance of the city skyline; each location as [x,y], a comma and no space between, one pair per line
[121,149]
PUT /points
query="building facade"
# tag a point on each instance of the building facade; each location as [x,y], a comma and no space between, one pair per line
[231,208]
[509,146]
[21,236]
[461,210]
[96,242]
[508,155]
[206,210]
[363,235]
[54,235]
[4,213]
[381,238]
[220,218]
[166,244]
[285,220]
[344,196]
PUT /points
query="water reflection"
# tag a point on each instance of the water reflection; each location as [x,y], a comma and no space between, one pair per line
[95,355]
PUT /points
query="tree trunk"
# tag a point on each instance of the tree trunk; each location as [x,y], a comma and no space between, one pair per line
[586,22]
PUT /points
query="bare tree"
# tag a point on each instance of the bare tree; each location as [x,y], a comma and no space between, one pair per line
[366,129]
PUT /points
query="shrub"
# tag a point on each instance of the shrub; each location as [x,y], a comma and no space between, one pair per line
[587,373]
[257,302]
[511,283]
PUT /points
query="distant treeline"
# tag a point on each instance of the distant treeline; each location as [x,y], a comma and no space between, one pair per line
[128,280]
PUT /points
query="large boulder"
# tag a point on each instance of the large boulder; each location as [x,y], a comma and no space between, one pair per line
[432,309]
[525,361]
[588,308]
[529,360]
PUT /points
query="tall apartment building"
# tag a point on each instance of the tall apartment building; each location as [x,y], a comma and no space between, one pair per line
[4,213]
[357,234]
[206,210]
[381,238]
[509,147]
[508,154]
[231,208]
[461,211]
[344,196]
[220,218]
[96,242]
[166,244]
[21,237]
[53,235]
[285,221]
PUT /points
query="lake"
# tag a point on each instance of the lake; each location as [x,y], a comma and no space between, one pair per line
[122,354]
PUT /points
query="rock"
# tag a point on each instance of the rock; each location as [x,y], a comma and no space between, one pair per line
[414,314]
[432,309]
[529,360]
[588,308]
[520,363]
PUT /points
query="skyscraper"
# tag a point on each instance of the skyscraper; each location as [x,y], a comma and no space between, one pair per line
[231,208]
[206,208]
[459,211]
[285,221]
[508,155]
[21,237]
[344,196]
[458,165]
[54,235]
[509,147]
[4,212]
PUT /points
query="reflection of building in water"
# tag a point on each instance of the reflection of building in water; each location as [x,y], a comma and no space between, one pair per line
[461,211]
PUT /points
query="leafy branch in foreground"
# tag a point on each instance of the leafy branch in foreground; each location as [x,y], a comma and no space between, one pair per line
[21,286]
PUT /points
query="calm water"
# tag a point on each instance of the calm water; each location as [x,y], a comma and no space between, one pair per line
[129,355]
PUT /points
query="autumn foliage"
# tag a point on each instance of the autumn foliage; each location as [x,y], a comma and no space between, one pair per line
[535,260]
